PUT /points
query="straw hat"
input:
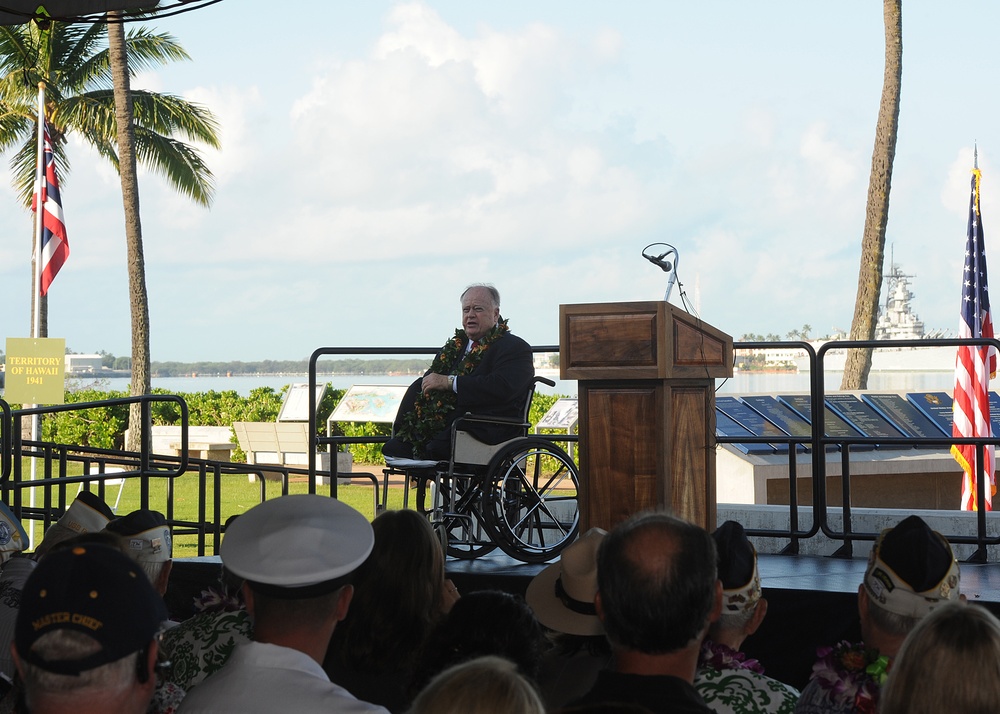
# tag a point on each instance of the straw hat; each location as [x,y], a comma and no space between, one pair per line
[562,595]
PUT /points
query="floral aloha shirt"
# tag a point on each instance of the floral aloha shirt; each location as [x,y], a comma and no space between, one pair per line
[731,684]
[203,643]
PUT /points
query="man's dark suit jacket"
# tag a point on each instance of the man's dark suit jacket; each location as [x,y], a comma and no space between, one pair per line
[497,386]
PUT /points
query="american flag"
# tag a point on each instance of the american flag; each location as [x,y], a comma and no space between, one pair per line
[55,245]
[974,365]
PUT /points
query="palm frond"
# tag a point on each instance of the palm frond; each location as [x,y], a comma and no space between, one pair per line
[169,114]
[178,162]
[74,62]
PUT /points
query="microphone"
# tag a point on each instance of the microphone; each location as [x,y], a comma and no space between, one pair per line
[666,266]
[658,261]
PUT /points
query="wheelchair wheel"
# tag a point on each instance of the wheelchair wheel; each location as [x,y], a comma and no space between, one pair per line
[456,517]
[532,504]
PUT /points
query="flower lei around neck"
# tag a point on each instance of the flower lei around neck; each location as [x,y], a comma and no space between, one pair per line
[852,674]
[719,657]
[429,414]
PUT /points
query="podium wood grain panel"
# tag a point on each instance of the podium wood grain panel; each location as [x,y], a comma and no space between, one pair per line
[646,374]
[692,462]
[620,455]
[694,348]
[640,340]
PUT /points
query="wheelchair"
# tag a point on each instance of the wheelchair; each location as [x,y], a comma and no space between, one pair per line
[519,495]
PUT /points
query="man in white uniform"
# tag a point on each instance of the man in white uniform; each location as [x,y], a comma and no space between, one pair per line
[297,554]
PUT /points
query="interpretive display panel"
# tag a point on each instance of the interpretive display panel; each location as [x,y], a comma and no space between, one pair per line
[296,404]
[369,402]
[936,406]
[995,412]
[728,427]
[751,420]
[833,425]
[563,414]
[781,416]
[864,418]
[904,416]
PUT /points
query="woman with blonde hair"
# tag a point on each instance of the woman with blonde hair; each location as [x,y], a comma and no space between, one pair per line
[485,685]
[949,662]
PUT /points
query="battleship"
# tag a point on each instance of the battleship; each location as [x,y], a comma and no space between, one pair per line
[896,321]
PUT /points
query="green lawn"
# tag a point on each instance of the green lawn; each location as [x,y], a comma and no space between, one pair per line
[238,495]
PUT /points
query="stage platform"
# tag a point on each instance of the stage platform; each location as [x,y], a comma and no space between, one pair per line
[812,600]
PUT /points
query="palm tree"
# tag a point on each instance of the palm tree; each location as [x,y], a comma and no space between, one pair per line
[74,63]
[141,382]
[859,362]
[86,70]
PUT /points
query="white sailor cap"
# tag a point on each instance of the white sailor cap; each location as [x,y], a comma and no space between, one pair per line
[145,535]
[13,537]
[88,513]
[297,546]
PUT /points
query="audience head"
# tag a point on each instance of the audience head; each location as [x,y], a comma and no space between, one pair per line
[911,570]
[86,514]
[743,608]
[145,537]
[13,537]
[485,622]
[398,593]
[480,310]
[657,584]
[297,554]
[949,662]
[485,685]
[562,595]
[86,632]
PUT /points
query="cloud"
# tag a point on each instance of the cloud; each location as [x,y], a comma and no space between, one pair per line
[437,137]
[830,163]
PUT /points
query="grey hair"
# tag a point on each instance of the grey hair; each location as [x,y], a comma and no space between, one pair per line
[891,622]
[488,287]
[108,679]
[734,621]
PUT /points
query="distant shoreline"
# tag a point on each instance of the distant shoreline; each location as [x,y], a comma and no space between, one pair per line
[124,373]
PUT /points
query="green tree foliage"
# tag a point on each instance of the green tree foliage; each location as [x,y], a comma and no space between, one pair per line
[104,427]
[73,62]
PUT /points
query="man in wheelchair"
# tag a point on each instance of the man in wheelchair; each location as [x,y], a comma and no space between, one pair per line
[483,369]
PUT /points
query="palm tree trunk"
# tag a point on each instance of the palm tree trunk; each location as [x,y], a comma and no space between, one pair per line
[859,362]
[138,298]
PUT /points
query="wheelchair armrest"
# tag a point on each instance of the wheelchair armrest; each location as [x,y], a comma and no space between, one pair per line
[544,380]
[488,419]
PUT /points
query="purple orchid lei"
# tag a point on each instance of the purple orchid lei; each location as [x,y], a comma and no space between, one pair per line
[720,657]
[852,674]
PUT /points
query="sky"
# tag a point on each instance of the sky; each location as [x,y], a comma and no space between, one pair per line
[377,157]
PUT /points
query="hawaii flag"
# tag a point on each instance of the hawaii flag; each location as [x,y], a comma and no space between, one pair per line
[975,364]
[55,245]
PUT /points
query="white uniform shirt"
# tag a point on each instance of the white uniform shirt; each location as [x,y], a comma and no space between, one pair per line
[261,677]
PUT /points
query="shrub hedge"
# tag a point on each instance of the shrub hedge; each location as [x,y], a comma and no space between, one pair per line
[104,427]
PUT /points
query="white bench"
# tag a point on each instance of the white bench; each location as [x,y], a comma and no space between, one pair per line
[204,442]
[286,444]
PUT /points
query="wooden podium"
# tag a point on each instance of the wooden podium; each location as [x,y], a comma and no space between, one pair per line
[646,373]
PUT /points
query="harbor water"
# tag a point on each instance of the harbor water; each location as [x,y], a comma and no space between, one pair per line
[740,383]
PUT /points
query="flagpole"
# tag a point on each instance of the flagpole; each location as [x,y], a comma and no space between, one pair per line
[39,177]
[36,317]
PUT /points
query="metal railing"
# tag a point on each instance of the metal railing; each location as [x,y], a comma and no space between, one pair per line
[61,470]
[335,442]
[90,465]
[818,441]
